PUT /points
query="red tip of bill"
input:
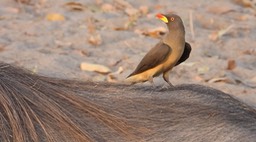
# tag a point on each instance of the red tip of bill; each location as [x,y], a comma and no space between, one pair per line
[159,15]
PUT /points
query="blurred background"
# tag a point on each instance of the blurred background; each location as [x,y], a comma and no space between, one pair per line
[104,40]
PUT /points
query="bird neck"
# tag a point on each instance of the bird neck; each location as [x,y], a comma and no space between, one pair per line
[175,37]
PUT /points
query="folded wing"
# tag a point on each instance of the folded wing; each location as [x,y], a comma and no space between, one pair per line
[154,57]
[185,54]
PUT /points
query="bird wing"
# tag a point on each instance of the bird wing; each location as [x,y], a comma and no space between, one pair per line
[185,54]
[154,57]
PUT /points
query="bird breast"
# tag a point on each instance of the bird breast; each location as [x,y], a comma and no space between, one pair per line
[177,49]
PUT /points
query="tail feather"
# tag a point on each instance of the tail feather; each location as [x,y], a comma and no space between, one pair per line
[130,75]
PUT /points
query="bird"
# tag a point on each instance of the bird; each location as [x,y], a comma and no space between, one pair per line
[169,52]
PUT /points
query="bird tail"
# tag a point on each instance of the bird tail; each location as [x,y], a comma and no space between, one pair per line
[129,79]
[135,78]
[130,75]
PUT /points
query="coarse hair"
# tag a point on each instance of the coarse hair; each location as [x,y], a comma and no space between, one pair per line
[38,108]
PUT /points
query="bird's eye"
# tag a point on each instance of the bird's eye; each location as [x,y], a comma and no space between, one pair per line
[172,18]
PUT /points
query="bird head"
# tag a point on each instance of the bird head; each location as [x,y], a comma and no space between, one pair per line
[173,21]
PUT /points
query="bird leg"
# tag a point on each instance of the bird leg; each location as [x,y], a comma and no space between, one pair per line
[166,78]
[151,81]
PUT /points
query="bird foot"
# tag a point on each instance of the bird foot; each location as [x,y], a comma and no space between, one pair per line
[170,84]
[167,86]
[153,85]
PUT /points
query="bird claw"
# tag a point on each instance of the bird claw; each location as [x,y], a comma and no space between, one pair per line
[169,86]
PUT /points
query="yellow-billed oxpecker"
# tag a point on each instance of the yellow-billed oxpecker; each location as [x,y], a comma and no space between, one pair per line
[169,52]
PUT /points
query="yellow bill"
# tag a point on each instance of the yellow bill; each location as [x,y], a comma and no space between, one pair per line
[162,17]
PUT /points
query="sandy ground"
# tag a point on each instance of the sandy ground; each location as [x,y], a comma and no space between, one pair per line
[54,37]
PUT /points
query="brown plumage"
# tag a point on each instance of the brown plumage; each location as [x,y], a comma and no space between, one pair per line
[169,52]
